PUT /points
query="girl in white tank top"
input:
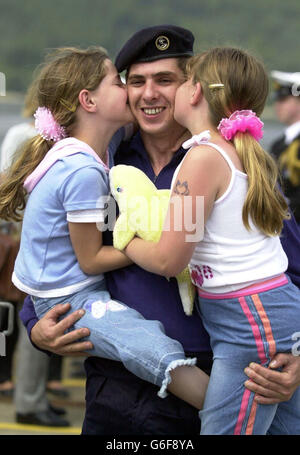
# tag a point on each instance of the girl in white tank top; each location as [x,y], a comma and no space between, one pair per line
[249,307]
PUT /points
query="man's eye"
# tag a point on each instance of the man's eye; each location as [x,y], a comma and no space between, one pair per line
[136,83]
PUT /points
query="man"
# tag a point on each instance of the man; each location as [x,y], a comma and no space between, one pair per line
[116,401]
[286,149]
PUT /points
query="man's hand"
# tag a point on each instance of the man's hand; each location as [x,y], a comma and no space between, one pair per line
[274,386]
[49,334]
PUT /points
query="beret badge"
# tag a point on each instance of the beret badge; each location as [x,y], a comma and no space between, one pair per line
[162,43]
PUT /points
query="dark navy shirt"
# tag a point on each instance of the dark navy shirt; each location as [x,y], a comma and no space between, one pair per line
[152,295]
[290,240]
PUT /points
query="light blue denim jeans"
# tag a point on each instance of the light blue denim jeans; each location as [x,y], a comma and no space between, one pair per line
[121,333]
[243,329]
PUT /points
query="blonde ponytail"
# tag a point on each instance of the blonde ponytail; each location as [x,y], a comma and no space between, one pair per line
[264,203]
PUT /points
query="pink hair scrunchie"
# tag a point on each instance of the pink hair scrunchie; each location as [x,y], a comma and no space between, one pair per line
[47,126]
[241,121]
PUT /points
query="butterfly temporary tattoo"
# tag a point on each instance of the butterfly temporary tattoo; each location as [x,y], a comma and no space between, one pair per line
[182,188]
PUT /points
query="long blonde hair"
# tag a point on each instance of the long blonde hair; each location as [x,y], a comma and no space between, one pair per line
[65,72]
[245,87]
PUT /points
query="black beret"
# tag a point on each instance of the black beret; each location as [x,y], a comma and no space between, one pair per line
[155,43]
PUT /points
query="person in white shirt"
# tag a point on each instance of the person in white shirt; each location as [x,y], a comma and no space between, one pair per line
[14,137]
[286,149]
[17,134]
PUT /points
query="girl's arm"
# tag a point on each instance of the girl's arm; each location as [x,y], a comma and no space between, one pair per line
[197,185]
[93,257]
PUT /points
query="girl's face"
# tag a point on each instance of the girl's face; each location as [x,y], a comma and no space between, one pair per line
[112,99]
[182,102]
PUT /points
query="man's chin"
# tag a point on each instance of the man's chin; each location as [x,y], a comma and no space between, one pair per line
[154,130]
[154,126]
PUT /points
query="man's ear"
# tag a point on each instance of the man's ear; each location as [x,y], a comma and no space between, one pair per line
[196,94]
[86,100]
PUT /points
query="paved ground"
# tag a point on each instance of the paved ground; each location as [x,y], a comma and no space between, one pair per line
[74,406]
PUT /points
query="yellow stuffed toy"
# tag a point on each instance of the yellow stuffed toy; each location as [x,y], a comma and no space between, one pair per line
[143,209]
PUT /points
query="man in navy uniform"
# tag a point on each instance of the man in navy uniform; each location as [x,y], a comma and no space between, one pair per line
[286,149]
[117,402]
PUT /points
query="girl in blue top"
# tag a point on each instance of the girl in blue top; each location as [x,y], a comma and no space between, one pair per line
[82,105]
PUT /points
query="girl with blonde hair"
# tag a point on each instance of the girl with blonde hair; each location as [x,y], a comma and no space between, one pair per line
[249,307]
[61,176]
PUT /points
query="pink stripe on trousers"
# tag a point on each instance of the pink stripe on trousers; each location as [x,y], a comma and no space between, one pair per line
[263,359]
[242,413]
[255,330]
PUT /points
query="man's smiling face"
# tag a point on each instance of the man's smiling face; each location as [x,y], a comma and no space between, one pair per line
[151,91]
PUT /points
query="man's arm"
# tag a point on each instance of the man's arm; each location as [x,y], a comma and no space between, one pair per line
[49,335]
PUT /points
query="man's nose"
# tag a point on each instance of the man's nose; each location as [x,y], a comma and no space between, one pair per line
[150,91]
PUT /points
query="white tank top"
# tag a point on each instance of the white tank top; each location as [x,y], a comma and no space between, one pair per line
[230,257]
